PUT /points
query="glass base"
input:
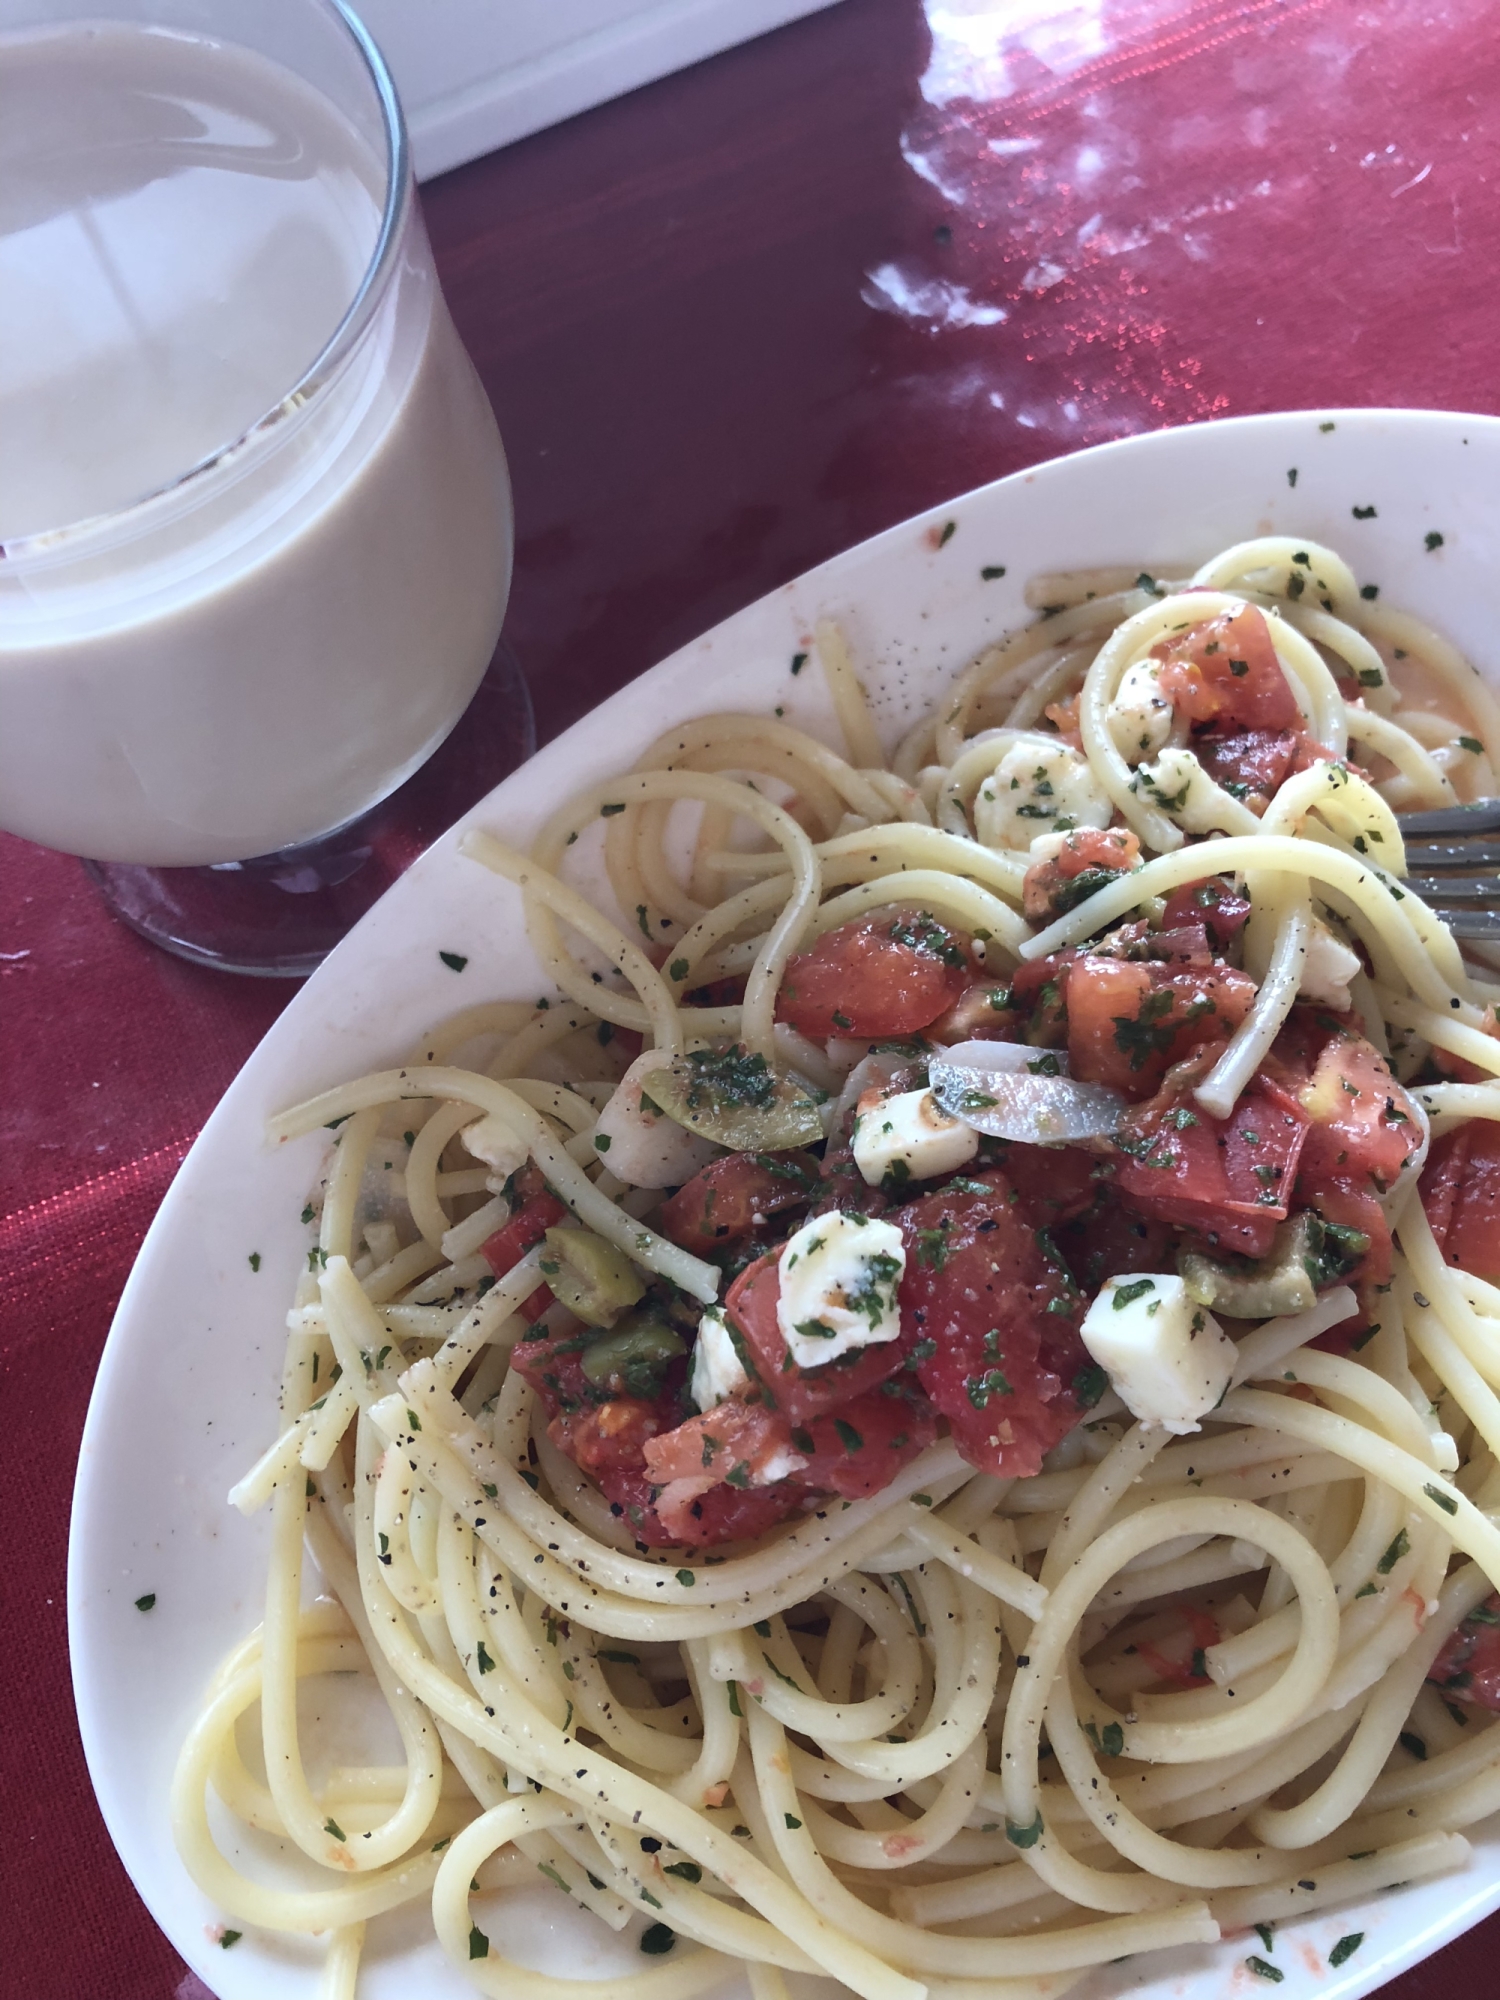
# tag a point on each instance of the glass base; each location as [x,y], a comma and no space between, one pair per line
[279,915]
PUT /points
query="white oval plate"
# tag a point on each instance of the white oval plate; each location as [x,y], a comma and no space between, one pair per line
[186,1392]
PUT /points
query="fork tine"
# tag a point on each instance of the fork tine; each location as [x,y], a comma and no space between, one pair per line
[1481,817]
[1436,853]
[1473,923]
[1440,890]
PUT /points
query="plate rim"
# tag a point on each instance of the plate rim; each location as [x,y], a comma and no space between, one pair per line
[1403,1952]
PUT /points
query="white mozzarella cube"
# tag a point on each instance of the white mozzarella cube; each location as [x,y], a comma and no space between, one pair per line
[1140,718]
[839,1278]
[1168,1358]
[718,1371]
[913,1130]
[1327,970]
[492,1140]
[1038,787]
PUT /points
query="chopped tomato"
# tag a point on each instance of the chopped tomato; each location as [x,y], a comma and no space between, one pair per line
[1468,1667]
[981,1013]
[888,975]
[1461,1194]
[1226,671]
[803,1392]
[1253,762]
[1229,1178]
[1031,979]
[1212,903]
[608,1437]
[539,1212]
[1088,860]
[1128,1021]
[997,1347]
[860,1448]
[1111,1240]
[741,1447]
[733,1195]
[1363,1123]
[1052,1183]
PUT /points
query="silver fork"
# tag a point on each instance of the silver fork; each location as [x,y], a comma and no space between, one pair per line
[1455,868]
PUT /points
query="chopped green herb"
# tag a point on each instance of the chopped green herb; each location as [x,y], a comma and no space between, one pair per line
[1398,1548]
[334,1831]
[799,661]
[687,1578]
[794,1824]
[949,530]
[1441,1499]
[229,1938]
[1267,1936]
[991,571]
[146,1603]
[479,1944]
[1125,1295]
[1433,540]
[1024,1836]
[1363,513]
[483,1660]
[1260,1966]
[657,1938]
[1346,1948]
[454,960]
[1472,744]
[254,1260]
[686,1871]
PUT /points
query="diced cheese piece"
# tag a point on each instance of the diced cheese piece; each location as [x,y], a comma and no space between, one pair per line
[1169,1360]
[781,1464]
[839,1279]
[1327,970]
[642,1146]
[1178,785]
[1038,787]
[492,1140]
[718,1371]
[1140,717]
[910,1130]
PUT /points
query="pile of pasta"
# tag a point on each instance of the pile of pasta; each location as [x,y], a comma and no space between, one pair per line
[913,1742]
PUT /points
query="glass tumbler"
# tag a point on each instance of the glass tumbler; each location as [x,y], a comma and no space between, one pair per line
[255,522]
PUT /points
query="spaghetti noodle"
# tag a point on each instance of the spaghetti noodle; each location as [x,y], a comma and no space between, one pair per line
[1059,1678]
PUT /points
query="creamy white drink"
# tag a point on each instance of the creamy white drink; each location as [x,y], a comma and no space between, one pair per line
[204,668]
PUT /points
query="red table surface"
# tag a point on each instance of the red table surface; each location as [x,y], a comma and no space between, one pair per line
[731,324]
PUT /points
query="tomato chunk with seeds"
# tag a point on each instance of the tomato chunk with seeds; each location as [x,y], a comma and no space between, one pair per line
[1225,671]
[998,1350]
[733,1195]
[1461,1194]
[803,1392]
[891,974]
[1230,1178]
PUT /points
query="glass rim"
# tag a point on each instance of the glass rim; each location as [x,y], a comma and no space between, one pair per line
[330,358]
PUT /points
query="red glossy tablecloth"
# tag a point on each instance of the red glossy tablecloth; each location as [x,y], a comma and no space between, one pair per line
[731,324]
